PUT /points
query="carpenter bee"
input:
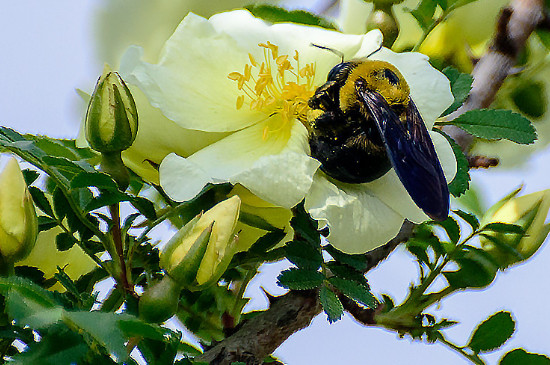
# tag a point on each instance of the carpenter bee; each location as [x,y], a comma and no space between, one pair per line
[362,122]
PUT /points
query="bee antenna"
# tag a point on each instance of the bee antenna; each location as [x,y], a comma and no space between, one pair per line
[376,50]
[336,52]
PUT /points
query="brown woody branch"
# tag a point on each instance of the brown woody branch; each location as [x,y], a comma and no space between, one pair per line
[514,26]
[293,311]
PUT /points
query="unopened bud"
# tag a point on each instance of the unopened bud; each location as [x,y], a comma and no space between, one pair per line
[160,301]
[18,221]
[199,253]
[529,212]
[111,118]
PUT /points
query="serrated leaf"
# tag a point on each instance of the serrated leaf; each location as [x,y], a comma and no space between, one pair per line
[461,181]
[452,228]
[496,124]
[522,357]
[492,333]
[461,85]
[299,279]
[468,218]
[30,176]
[347,272]
[102,328]
[64,241]
[97,179]
[57,347]
[331,304]
[355,291]
[28,290]
[144,206]
[303,255]
[304,226]
[274,14]
[418,250]
[45,223]
[40,200]
[358,262]
[503,228]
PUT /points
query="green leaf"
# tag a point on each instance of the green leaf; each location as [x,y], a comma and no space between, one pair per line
[530,98]
[492,333]
[64,241]
[97,179]
[30,176]
[60,347]
[304,226]
[134,327]
[496,124]
[28,290]
[102,328]
[331,304]
[358,262]
[468,218]
[477,269]
[503,228]
[347,272]
[40,200]
[461,85]
[303,255]
[418,249]
[461,181]
[274,14]
[299,279]
[424,13]
[452,228]
[256,221]
[354,290]
[144,206]
[46,223]
[522,357]
[266,242]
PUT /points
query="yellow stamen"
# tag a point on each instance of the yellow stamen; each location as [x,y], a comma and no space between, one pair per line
[266,88]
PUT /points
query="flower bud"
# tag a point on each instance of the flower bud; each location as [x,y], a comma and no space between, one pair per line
[160,301]
[18,221]
[529,212]
[111,118]
[199,253]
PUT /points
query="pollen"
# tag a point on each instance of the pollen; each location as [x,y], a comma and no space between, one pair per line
[276,85]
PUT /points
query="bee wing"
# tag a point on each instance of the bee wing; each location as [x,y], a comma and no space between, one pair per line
[411,153]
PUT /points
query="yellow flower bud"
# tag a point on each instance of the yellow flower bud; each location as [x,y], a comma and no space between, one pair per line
[111,118]
[18,221]
[528,211]
[199,253]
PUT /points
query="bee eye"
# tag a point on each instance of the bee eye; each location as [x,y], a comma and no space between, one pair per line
[390,75]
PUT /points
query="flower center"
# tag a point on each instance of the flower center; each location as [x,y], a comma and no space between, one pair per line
[276,86]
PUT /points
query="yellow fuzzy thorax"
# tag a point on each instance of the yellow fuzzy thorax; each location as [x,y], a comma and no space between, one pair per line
[372,73]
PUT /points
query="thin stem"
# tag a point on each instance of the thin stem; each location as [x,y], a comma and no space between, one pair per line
[472,357]
[117,239]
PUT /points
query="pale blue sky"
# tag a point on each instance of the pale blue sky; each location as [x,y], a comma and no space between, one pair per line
[47,52]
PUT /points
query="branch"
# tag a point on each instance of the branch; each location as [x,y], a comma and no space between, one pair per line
[261,335]
[514,26]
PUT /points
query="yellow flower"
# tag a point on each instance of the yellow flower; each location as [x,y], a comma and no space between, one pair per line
[46,257]
[528,211]
[18,221]
[237,75]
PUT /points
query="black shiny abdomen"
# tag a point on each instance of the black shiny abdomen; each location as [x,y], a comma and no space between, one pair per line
[349,147]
